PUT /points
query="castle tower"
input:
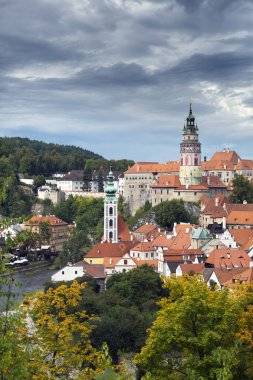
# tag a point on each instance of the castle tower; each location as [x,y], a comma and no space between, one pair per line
[110,211]
[190,153]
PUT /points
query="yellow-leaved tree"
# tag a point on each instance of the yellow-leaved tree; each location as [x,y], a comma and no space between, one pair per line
[60,336]
[200,333]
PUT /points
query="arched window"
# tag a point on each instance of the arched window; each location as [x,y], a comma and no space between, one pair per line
[110,223]
[110,211]
[110,235]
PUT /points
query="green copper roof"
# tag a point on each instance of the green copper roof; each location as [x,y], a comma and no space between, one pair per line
[110,189]
[201,233]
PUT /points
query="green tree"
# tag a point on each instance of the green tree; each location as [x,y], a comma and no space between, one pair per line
[195,334]
[38,181]
[100,182]
[242,190]
[14,354]
[73,248]
[45,232]
[168,212]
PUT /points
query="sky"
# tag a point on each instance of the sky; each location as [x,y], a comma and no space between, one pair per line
[116,76]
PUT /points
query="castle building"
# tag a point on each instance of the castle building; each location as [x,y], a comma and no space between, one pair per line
[190,153]
[154,182]
[110,211]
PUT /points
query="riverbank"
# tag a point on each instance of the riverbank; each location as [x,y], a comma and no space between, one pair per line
[30,279]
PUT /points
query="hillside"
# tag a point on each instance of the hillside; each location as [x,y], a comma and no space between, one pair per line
[32,157]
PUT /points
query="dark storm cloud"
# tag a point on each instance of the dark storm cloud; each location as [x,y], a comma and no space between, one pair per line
[80,69]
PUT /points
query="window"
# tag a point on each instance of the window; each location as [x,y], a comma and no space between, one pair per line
[110,211]
[75,271]
[62,272]
[110,235]
[110,223]
[90,261]
[125,262]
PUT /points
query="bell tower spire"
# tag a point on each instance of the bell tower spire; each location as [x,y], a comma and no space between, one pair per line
[110,210]
[190,153]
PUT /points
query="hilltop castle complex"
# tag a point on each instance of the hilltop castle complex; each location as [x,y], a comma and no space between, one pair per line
[188,179]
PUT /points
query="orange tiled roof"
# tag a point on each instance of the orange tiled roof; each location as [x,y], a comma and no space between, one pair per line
[146,228]
[228,258]
[243,277]
[192,268]
[143,247]
[223,275]
[93,270]
[244,165]
[50,219]
[242,236]
[154,167]
[218,165]
[161,241]
[168,181]
[240,217]
[215,206]
[110,262]
[123,230]
[101,250]
[153,263]
[229,155]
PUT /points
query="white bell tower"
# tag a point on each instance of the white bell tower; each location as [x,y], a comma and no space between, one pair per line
[110,211]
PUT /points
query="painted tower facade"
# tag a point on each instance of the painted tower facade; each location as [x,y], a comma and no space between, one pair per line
[110,211]
[190,153]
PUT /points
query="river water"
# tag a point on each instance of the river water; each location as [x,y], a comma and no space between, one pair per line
[30,279]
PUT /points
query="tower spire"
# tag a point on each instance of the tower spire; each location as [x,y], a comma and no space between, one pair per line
[110,210]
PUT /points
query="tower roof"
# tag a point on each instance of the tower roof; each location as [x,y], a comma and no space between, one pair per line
[110,189]
[190,116]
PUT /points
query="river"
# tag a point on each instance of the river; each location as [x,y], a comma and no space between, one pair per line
[30,279]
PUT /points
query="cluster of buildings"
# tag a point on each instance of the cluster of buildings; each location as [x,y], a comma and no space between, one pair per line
[190,178]
[224,257]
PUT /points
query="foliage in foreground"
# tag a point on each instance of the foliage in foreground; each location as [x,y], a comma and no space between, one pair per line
[200,334]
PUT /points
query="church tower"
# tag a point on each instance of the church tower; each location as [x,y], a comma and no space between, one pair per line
[110,211]
[190,153]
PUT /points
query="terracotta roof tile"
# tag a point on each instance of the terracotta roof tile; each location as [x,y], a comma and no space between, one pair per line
[192,268]
[146,228]
[154,167]
[243,277]
[143,247]
[229,155]
[101,250]
[242,236]
[223,275]
[228,258]
[93,270]
[240,217]
[51,219]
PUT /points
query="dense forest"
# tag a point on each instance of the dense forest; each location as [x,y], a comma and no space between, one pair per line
[31,158]
[39,160]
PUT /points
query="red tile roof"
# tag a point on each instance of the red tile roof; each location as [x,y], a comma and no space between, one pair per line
[123,230]
[161,241]
[154,167]
[215,206]
[146,228]
[240,218]
[50,219]
[244,277]
[228,258]
[93,270]
[242,236]
[223,275]
[192,268]
[229,155]
[144,247]
[153,263]
[101,250]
